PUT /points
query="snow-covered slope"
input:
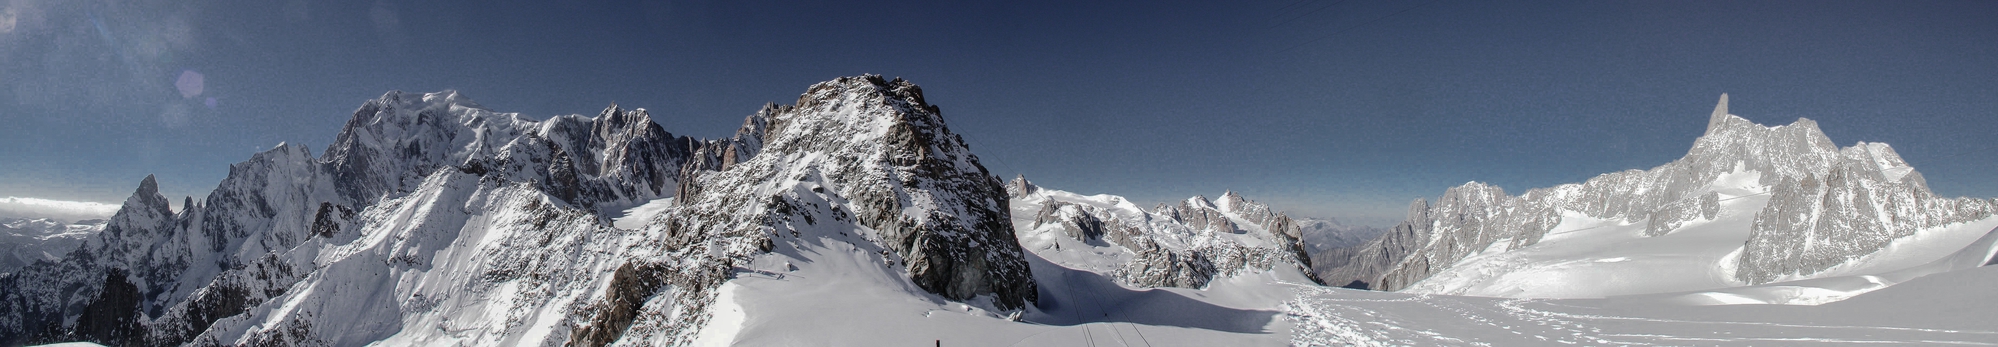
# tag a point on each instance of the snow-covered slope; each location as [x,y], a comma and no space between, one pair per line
[432,220]
[1945,309]
[1748,204]
[24,241]
[834,290]
[164,277]
[812,295]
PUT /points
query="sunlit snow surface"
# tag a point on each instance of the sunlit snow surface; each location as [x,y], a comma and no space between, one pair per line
[834,293]
[636,217]
[1954,308]
[1585,257]
[827,292]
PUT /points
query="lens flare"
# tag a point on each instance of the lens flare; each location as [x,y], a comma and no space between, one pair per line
[190,84]
[7,20]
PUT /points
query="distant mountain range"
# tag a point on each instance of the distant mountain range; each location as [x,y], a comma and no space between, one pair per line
[24,241]
[855,216]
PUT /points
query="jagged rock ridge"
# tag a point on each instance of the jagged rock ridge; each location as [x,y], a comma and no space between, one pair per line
[1184,245]
[856,152]
[430,214]
[1827,205]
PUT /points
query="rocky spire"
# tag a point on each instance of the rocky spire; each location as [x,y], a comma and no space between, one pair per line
[1719,116]
[148,197]
[1020,186]
[148,187]
[1231,202]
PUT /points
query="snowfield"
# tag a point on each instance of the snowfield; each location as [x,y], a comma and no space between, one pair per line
[1952,308]
[1593,258]
[829,293]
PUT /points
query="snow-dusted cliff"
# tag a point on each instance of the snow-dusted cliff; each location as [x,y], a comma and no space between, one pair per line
[431,220]
[1826,206]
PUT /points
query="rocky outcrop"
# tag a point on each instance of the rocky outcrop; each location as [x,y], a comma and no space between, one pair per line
[875,152]
[1815,223]
[1076,221]
[1465,220]
[1019,186]
[859,155]
[113,317]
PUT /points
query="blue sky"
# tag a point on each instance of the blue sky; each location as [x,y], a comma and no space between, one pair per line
[1346,109]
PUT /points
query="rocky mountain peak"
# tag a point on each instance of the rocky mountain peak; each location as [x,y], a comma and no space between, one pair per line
[1201,202]
[618,123]
[1020,187]
[148,198]
[617,118]
[1231,202]
[879,147]
[1720,115]
[148,186]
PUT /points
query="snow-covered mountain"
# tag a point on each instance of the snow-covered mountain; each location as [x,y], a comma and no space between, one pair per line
[1749,204]
[432,220]
[1182,245]
[24,241]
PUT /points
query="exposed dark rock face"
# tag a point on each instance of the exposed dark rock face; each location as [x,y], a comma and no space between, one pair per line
[1158,266]
[113,317]
[1074,221]
[330,219]
[629,288]
[876,149]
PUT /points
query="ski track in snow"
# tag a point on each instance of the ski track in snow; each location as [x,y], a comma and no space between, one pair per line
[1336,317]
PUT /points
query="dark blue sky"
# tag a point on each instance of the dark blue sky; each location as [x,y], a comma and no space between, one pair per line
[1349,109]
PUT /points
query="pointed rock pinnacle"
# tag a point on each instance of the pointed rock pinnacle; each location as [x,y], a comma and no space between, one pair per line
[1720,114]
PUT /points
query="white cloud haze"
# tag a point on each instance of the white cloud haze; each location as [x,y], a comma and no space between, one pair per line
[57,209]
